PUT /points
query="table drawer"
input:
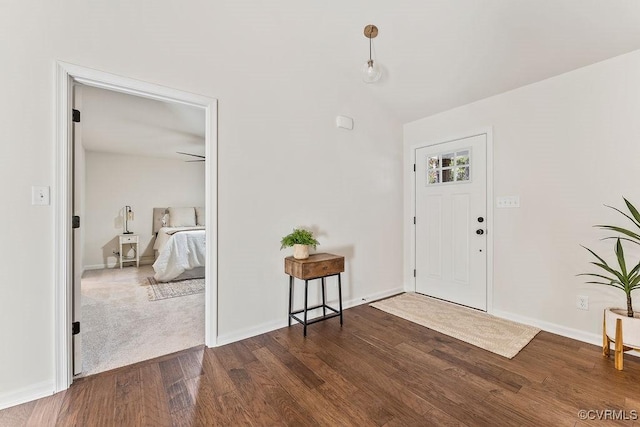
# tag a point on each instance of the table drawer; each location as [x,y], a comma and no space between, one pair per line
[317,265]
[128,239]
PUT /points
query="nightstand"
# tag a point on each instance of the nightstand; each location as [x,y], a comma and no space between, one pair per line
[132,240]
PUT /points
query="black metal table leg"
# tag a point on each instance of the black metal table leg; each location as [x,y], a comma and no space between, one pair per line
[290,297]
[340,296]
[324,300]
[306,292]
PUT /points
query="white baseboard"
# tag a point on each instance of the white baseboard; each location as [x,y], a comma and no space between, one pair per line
[26,394]
[143,261]
[373,297]
[250,332]
[576,334]
[272,326]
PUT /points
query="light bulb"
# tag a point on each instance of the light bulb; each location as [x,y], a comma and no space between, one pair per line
[371,72]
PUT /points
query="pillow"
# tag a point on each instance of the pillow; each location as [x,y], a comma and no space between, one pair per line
[182,217]
[200,216]
[165,220]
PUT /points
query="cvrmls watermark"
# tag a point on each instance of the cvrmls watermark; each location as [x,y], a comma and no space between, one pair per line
[607,414]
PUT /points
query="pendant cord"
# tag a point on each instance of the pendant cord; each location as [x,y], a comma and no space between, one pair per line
[369,48]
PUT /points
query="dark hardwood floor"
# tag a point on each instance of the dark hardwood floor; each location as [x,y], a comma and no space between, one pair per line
[377,370]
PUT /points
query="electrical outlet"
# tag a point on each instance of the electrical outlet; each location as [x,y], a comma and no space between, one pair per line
[582,302]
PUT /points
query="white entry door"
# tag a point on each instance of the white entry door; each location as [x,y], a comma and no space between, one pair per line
[451,206]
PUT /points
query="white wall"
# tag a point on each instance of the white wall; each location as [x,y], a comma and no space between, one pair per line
[566,146]
[144,183]
[282,162]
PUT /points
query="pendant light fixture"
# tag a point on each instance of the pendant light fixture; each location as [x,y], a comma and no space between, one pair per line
[371,72]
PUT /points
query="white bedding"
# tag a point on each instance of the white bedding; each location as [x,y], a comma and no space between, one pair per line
[180,250]
[165,233]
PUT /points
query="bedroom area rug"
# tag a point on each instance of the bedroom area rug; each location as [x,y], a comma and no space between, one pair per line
[499,336]
[121,326]
[163,290]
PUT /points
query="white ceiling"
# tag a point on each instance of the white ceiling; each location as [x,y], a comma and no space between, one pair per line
[436,55]
[115,122]
[440,54]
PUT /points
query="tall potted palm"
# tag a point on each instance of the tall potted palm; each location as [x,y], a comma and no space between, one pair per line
[619,277]
[619,325]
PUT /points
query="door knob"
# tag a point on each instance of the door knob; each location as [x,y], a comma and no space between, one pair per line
[480,219]
[479,231]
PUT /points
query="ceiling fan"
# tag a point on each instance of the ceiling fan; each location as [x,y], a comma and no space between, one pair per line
[200,158]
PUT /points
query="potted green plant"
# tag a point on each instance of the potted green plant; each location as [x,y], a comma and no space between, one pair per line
[300,239]
[619,325]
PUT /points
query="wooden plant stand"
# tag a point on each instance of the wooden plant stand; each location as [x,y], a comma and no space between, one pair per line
[619,347]
[317,266]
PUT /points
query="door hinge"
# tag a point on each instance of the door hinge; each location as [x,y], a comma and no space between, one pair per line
[75,328]
[75,223]
[414,272]
[414,220]
[75,116]
[414,167]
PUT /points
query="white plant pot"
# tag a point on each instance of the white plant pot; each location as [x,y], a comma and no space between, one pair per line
[630,326]
[300,251]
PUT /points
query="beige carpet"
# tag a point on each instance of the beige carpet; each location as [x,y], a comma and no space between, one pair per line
[120,326]
[163,290]
[491,333]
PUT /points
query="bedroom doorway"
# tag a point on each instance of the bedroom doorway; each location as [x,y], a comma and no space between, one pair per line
[67,312]
[142,295]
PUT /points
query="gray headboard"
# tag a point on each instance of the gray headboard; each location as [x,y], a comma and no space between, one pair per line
[158,213]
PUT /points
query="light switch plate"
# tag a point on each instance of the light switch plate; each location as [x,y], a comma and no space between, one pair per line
[40,196]
[508,201]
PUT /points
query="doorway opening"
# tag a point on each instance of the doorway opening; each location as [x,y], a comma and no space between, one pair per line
[66,311]
[141,294]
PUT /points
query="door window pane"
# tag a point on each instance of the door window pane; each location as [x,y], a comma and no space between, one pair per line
[434,162]
[462,158]
[447,159]
[433,177]
[462,173]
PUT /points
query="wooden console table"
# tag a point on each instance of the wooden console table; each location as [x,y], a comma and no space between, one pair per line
[317,266]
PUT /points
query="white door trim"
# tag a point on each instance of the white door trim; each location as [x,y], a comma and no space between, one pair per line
[411,156]
[65,75]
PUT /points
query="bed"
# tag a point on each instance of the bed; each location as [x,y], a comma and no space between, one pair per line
[180,244]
